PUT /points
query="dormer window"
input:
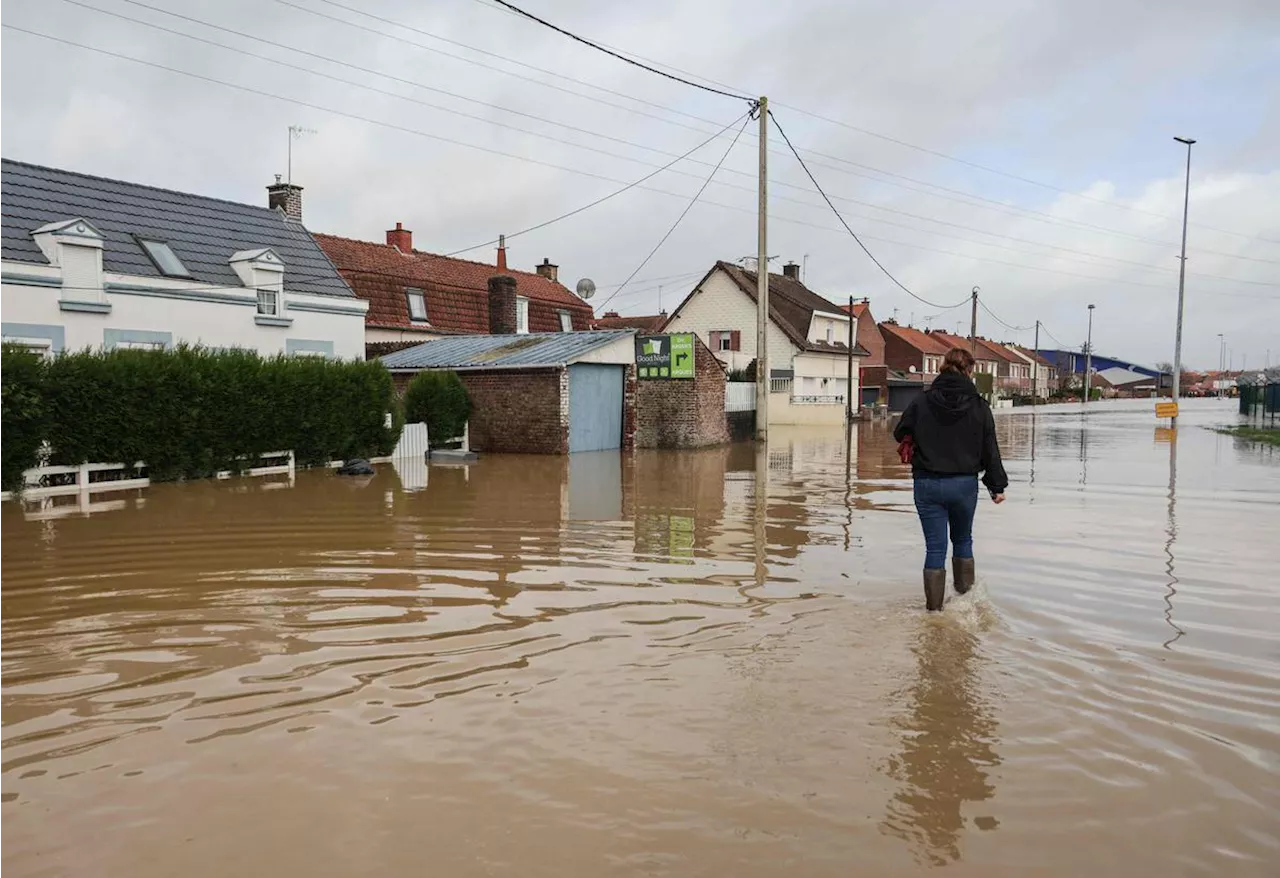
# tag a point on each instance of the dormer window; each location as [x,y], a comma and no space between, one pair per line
[165,260]
[417,305]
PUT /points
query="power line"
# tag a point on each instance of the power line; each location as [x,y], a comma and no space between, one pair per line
[492,151]
[614,54]
[868,132]
[994,204]
[682,215]
[562,141]
[997,318]
[870,256]
[616,192]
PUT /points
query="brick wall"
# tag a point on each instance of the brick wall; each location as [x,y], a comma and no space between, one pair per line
[682,413]
[518,411]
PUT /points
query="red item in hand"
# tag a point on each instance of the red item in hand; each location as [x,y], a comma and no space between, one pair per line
[906,448]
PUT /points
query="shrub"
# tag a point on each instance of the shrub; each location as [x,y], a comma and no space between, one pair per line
[22,375]
[439,400]
[190,411]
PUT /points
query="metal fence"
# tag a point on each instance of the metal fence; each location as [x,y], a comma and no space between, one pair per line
[1260,394]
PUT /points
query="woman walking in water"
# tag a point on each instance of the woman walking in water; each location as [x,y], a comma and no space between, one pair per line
[951,437]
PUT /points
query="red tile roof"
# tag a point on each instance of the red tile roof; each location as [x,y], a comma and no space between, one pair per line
[926,343]
[457,290]
[648,323]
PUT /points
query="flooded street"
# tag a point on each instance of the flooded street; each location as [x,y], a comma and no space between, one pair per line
[671,663]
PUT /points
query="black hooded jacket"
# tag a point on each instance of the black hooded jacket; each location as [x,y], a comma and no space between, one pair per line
[954,432]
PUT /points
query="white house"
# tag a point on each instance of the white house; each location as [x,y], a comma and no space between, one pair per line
[808,340]
[95,263]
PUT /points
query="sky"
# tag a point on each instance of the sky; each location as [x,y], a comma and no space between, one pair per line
[1022,147]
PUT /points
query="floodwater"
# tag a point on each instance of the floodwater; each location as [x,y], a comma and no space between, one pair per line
[694,663]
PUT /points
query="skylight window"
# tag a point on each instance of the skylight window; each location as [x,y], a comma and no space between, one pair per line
[164,258]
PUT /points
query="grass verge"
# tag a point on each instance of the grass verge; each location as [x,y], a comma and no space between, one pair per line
[1264,435]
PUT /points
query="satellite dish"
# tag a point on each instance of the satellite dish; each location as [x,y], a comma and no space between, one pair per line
[586,288]
[912,370]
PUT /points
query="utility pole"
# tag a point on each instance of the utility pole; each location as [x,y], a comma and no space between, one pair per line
[1035,365]
[973,324]
[762,281]
[848,387]
[1088,356]
[1182,282]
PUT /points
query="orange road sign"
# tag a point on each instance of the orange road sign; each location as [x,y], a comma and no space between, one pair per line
[1166,410]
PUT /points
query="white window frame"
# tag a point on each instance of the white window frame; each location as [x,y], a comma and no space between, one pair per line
[831,334]
[726,340]
[410,294]
[522,315]
[566,321]
[275,302]
[141,345]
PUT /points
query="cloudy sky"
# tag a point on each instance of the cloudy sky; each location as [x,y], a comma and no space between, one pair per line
[1024,147]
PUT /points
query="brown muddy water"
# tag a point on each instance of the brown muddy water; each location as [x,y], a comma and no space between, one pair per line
[659,664]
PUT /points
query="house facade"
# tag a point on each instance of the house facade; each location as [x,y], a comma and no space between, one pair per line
[807,338]
[873,372]
[1043,374]
[415,296]
[90,262]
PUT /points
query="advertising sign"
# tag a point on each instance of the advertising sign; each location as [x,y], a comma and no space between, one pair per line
[664,356]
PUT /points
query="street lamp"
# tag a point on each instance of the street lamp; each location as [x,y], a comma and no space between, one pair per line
[1088,355]
[1182,281]
[1222,352]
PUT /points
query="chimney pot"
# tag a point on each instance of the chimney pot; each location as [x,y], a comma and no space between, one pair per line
[286,197]
[502,254]
[791,270]
[549,271]
[400,238]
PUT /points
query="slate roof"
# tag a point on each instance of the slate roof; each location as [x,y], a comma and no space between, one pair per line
[791,307]
[457,290]
[533,351]
[203,232]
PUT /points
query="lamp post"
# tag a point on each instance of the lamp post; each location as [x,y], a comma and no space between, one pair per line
[1222,352]
[1182,281]
[1088,355]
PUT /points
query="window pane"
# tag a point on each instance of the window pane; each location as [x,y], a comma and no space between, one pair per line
[566,322]
[417,305]
[164,258]
[267,302]
[522,315]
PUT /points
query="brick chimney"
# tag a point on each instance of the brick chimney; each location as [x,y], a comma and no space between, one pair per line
[502,254]
[549,271]
[286,197]
[400,238]
[502,305]
[791,270]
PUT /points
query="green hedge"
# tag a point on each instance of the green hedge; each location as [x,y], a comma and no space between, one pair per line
[190,412]
[24,410]
[439,400]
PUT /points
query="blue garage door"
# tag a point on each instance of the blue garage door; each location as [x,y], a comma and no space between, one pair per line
[595,407]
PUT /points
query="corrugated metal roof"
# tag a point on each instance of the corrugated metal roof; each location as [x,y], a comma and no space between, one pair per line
[1118,377]
[203,232]
[537,350]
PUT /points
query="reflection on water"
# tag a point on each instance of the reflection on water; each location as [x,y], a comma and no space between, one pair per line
[948,745]
[694,663]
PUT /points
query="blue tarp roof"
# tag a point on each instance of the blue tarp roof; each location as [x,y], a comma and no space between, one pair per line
[537,350]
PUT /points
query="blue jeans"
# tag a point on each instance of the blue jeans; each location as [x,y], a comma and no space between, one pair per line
[943,501]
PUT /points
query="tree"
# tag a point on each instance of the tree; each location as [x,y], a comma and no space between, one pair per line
[439,400]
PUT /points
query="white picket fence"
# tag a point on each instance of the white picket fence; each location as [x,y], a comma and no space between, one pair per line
[740,396]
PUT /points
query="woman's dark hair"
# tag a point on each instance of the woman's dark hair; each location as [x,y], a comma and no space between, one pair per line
[958,360]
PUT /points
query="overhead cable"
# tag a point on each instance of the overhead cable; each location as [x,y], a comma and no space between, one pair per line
[682,215]
[620,57]
[617,192]
[851,232]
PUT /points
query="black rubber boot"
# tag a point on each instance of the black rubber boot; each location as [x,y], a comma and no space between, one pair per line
[935,588]
[962,574]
